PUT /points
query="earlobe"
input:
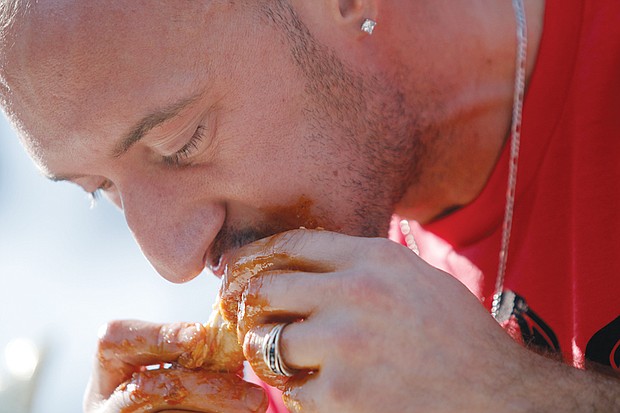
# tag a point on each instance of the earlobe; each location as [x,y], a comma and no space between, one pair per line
[360,15]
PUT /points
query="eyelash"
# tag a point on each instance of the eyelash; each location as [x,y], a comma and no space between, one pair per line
[177,158]
[95,195]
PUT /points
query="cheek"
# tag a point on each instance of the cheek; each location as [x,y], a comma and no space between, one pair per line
[260,157]
[262,109]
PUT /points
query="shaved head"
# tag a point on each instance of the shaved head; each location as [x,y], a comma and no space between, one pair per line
[214,123]
[63,53]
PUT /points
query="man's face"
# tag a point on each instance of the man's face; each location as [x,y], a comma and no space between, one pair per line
[211,124]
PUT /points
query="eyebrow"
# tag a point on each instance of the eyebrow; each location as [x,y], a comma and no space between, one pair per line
[150,121]
[138,131]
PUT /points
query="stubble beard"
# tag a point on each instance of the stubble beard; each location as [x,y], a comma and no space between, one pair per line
[362,116]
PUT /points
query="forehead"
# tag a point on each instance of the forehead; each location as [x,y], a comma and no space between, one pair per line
[76,67]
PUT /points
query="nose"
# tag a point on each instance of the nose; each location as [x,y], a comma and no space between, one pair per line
[172,221]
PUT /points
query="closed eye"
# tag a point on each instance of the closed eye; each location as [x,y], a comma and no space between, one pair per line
[182,155]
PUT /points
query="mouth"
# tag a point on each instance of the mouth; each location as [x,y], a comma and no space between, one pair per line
[217,265]
[214,260]
[229,240]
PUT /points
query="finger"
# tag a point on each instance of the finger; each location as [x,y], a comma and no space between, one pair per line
[298,397]
[273,297]
[299,348]
[224,350]
[185,390]
[298,250]
[302,248]
[330,390]
[126,346]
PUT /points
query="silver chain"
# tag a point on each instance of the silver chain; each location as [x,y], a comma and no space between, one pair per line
[517,111]
[515,141]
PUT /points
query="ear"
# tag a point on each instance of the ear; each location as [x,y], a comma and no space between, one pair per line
[353,13]
[330,20]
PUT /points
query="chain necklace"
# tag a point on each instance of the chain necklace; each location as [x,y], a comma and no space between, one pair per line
[515,140]
[517,110]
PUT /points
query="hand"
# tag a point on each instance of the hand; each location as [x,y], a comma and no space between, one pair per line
[372,326]
[203,377]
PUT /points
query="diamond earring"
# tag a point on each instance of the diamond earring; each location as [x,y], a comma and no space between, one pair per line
[369,26]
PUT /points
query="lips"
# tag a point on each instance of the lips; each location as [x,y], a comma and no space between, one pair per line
[229,240]
[217,266]
[213,257]
[213,260]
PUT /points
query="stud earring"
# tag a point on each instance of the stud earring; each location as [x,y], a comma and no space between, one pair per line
[369,26]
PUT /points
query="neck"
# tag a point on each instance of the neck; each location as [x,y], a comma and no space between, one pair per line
[473,124]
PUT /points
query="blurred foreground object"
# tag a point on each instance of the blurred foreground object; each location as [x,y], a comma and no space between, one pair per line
[19,367]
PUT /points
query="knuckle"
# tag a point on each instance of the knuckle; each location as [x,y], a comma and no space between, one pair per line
[347,340]
[293,240]
[387,251]
[252,294]
[110,331]
[109,344]
[365,287]
[339,392]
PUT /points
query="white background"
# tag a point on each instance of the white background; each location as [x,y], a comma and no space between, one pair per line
[66,269]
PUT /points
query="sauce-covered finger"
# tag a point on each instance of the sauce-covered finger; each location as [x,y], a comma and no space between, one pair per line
[298,354]
[271,298]
[185,390]
[281,252]
[253,348]
[127,346]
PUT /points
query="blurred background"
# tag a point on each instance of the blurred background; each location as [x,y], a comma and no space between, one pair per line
[66,269]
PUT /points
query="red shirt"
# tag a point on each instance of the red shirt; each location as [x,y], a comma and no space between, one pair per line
[563,270]
[563,273]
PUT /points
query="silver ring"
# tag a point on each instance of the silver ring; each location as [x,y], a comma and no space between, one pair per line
[271,352]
